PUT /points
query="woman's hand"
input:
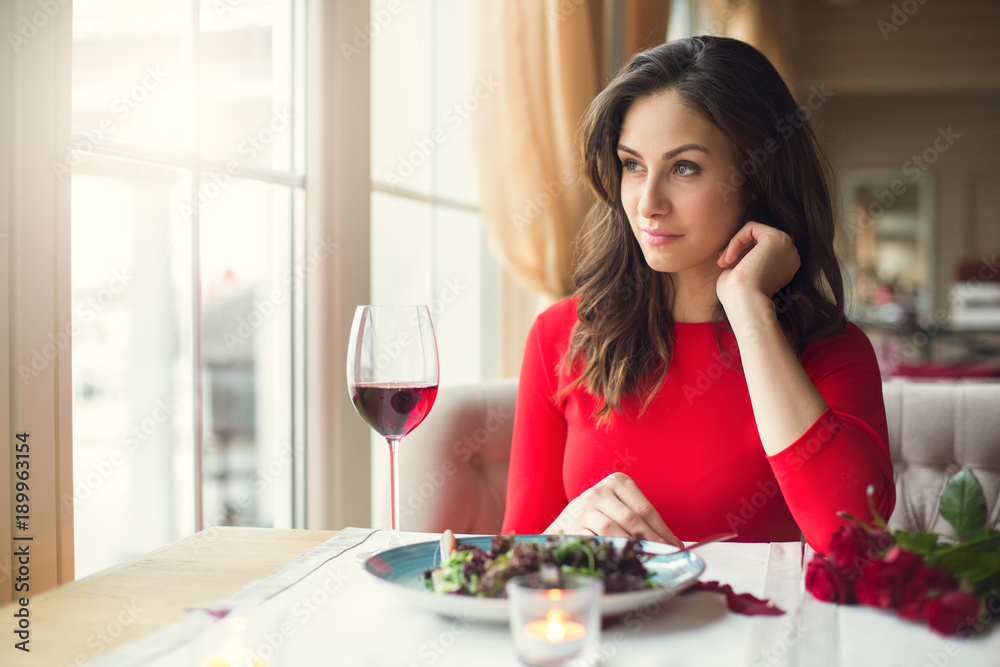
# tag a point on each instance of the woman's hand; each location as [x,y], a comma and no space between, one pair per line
[614,507]
[759,259]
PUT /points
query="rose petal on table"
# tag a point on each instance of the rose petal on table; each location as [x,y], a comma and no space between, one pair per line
[740,603]
[216,613]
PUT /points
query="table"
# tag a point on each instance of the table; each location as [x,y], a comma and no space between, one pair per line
[75,622]
[322,609]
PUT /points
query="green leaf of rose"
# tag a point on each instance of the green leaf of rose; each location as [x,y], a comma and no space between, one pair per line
[976,560]
[921,543]
[963,504]
[988,586]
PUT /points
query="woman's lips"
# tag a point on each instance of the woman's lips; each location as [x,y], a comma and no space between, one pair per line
[654,237]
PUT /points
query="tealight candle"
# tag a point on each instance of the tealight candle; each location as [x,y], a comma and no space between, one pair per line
[231,642]
[554,625]
[551,637]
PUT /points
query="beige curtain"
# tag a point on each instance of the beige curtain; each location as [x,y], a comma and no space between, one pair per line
[546,62]
[545,54]
[645,25]
[754,22]
[547,57]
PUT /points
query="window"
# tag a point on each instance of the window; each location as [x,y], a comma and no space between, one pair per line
[428,243]
[188,269]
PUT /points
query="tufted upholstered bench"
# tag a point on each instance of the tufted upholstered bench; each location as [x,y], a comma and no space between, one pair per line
[453,467]
[936,428]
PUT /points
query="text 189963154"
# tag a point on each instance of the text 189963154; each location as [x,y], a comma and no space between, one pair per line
[21,560]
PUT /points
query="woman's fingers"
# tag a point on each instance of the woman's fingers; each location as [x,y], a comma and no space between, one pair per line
[639,514]
[614,507]
[738,246]
[759,257]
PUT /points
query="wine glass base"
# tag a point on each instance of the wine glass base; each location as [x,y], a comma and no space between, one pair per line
[394,541]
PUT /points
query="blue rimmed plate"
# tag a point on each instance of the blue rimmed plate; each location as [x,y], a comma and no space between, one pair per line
[402,569]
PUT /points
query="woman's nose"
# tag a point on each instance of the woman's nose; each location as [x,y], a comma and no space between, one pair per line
[654,200]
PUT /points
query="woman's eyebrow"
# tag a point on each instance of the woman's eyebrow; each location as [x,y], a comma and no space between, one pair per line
[672,153]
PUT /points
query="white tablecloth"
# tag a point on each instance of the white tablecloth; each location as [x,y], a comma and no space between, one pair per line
[323,609]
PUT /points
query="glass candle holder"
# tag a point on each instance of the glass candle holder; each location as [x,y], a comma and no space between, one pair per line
[555,622]
[232,642]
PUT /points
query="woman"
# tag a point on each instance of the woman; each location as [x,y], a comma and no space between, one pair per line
[703,378]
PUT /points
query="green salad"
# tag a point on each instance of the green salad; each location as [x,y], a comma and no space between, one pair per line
[470,570]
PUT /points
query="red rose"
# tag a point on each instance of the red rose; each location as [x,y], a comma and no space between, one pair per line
[949,613]
[852,546]
[879,585]
[827,582]
[849,545]
[882,581]
[879,542]
[927,584]
[906,561]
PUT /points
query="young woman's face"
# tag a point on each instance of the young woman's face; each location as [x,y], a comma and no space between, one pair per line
[677,190]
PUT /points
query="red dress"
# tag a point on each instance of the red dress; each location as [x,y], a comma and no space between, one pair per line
[696,453]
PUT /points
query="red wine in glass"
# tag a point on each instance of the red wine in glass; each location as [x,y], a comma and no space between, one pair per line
[392,377]
[393,409]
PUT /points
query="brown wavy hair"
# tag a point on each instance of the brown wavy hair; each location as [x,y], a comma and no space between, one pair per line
[624,337]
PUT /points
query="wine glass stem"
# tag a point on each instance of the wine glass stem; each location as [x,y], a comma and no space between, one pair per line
[394,483]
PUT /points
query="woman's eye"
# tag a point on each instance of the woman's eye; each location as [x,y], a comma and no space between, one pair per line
[686,169]
[630,165]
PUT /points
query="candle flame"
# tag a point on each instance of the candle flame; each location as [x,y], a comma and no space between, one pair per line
[554,631]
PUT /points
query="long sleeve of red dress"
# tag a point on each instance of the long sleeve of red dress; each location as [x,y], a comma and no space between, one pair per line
[695,453]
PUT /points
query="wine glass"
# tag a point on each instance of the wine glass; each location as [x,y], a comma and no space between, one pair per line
[392,376]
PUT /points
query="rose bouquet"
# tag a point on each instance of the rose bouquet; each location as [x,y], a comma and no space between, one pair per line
[953,584]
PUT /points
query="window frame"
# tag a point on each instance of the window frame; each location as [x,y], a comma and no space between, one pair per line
[332,487]
[35,316]
[338,478]
[198,163]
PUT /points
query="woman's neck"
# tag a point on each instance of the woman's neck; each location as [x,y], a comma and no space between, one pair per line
[694,296]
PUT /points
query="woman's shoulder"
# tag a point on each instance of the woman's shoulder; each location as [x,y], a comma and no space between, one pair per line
[850,337]
[561,311]
[555,323]
[558,316]
[850,347]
